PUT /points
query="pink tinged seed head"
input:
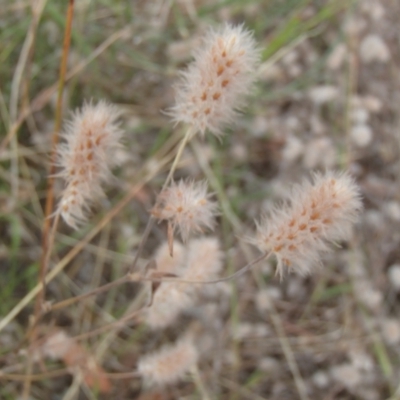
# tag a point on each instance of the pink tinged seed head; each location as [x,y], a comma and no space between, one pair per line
[215,84]
[169,364]
[86,157]
[187,207]
[317,213]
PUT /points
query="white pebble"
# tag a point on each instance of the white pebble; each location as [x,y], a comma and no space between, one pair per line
[361,135]
[337,57]
[354,26]
[264,297]
[271,73]
[373,48]
[294,70]
[320,152]
[293,149]
[347,375]
[394,276]
[323,94]
[359,115]
[373,9]
[317,126]
[392,210]
[362,360]
[372,104]
[239,152]
[321,380]
[290,58]
[391,330]
[367,295]
[269,364]
[260,126]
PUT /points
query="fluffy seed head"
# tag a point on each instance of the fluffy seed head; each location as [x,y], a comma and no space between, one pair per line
[215,83]
[204,259]
[86,157]
[166,263]
[318,212]
[169,364]
[186,207]
[201,261]
[169,301]
[204,263]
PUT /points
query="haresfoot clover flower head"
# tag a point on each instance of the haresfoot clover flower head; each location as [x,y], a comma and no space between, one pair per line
[200,260]
[86,157]
[169,364]
[317,213]
[214,85]
[187,207]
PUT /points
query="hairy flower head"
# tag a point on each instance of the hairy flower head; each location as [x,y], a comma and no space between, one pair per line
[169,364]
[187,207]
[201,261]
[215,83]
[317,213]
[86,157]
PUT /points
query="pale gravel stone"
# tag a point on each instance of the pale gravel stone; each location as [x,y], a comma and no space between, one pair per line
[290,58]
[260,126]
[367,295]
[271,73]
[355,101]
[293,149]
[321,379]
[346,374]
[374,220]
[292,122]
[394,276]
[392,210]
[319,152]
[359,115]
[372,104]
[391,330]
[323,94]
[180,50]
[354,26]
[239,152]
[294,70]
[264,297]
[356,263]
[362,360]
[248,330]
[337,57]
[361,135]
[374,9]
[373,48]
[295,289]
[317,125]
[269,365]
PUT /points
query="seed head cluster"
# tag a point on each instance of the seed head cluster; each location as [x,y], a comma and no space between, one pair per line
[317,213]
[86,157]
[215,83]
[187,207]
[169,364]
[200,260]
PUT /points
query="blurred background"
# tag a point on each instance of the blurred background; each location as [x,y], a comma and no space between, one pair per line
[327,97]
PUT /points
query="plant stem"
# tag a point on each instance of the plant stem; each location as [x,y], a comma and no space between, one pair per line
[46,240]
